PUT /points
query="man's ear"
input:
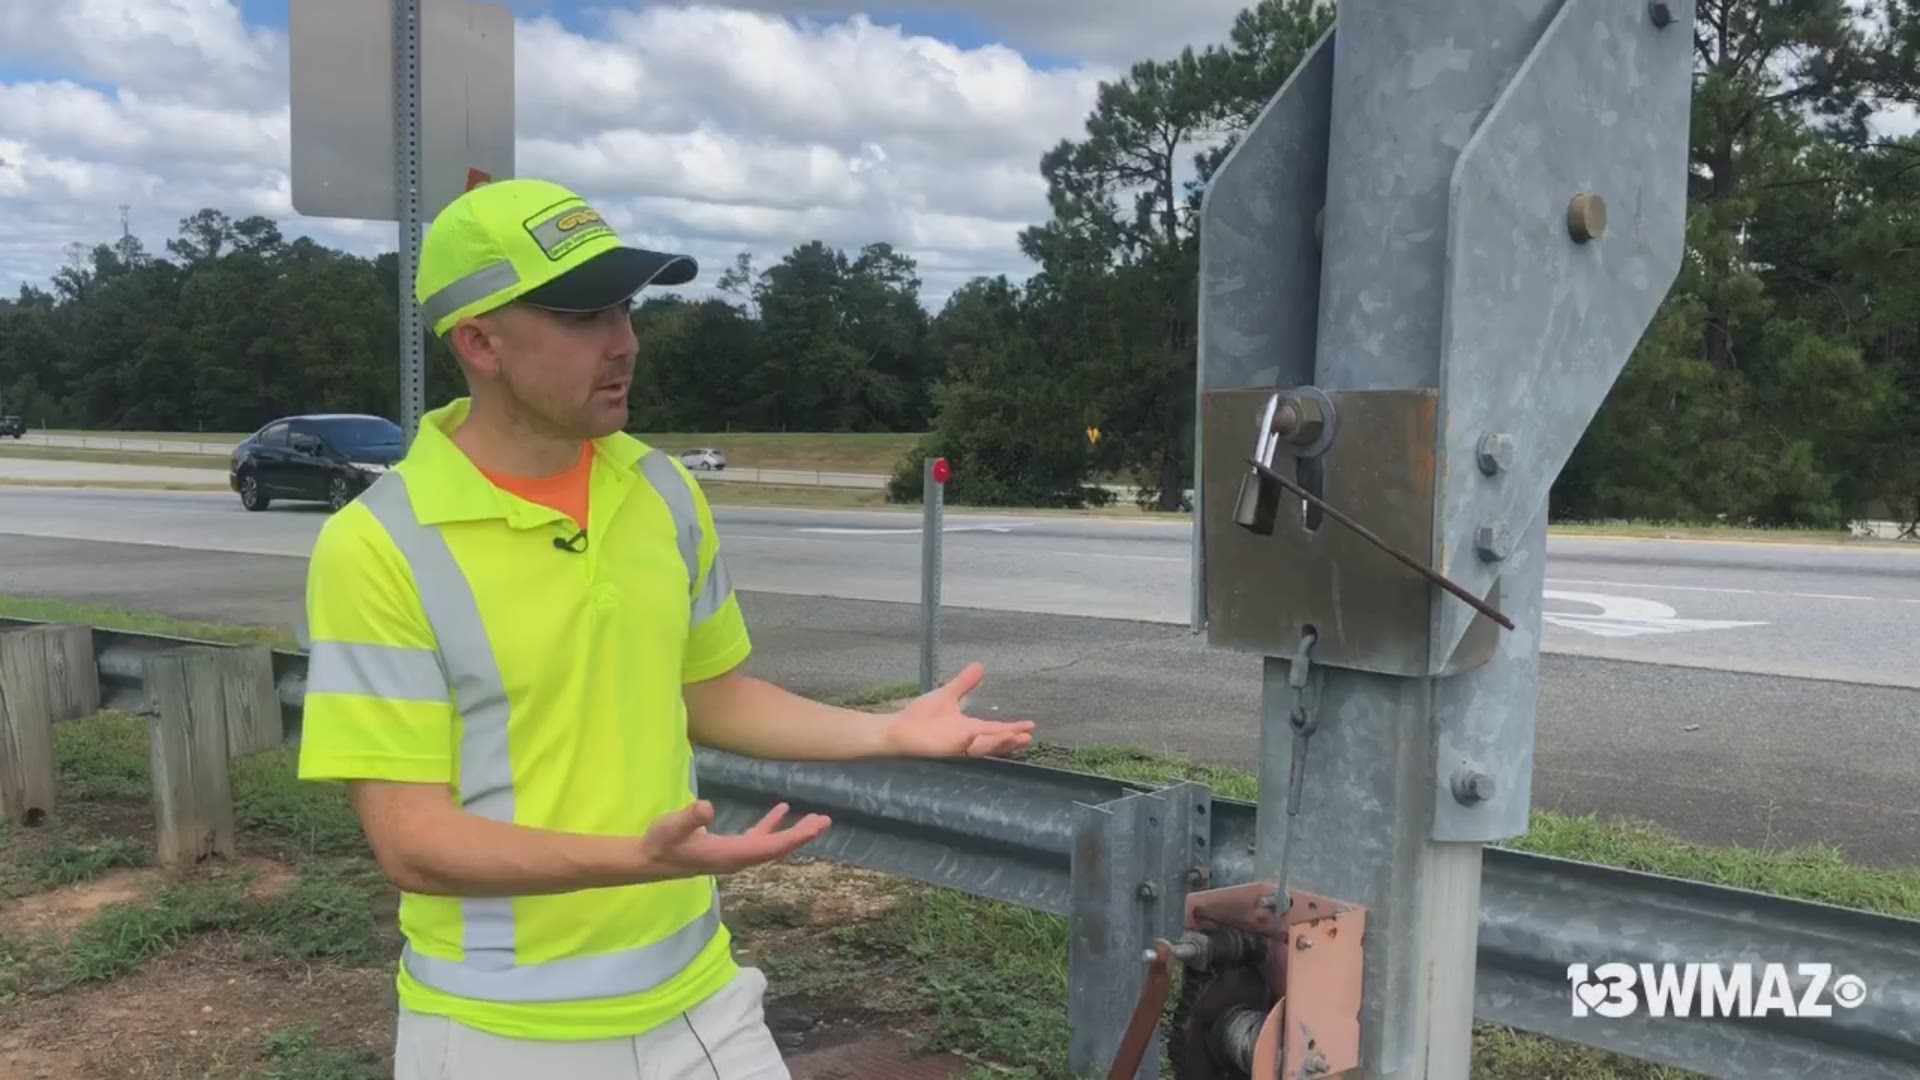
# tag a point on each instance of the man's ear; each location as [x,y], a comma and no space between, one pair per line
[472,343]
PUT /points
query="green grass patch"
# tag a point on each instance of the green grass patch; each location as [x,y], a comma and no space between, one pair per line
[296,1053]
[103,757]
[1663,530]
[123,937]
[142,622]
[270,798]
[216,437]
[995,975]
[213,464]
[877,695]
[1814,873]
[329,914]
[66,856]
[853,452]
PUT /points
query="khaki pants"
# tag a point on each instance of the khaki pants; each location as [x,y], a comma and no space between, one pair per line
[723,1038]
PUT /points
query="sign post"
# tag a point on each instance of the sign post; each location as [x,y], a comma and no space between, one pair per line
[933,500]
[398,107]
[1412,303]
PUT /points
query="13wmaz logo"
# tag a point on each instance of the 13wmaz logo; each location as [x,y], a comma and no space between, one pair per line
[1709,990]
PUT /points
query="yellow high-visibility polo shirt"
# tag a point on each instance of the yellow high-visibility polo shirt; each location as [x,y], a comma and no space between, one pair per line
[452,642]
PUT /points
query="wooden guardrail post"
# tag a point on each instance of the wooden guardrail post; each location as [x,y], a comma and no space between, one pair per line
[209,705]
[47,675]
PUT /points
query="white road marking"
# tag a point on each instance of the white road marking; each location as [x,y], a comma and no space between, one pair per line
[1629,616]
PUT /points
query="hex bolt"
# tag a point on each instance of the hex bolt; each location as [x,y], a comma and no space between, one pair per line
[1308,421]
[1472,787]
[1661,12]
[1303,944]
[1587,217]
[1148,892]
[1495,541]
[1197,877]
[1496,454]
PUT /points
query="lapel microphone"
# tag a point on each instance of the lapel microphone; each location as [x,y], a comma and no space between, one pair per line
[579,538]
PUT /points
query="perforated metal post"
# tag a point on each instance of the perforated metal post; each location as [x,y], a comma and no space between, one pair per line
[406,98]
[1418,228]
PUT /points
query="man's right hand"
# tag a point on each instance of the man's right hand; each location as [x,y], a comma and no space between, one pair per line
[679,845]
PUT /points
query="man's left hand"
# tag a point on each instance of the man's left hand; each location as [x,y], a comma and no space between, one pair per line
[933,725]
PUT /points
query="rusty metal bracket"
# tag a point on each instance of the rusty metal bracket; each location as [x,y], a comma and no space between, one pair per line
[1290,1004]
[1313,964]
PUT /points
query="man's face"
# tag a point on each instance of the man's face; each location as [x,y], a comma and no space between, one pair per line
[568,372]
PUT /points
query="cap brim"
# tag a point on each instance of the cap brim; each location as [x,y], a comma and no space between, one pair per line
[611,278]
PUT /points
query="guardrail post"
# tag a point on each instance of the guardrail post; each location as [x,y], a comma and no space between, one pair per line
[1134,860]
[206,701]
[46,675]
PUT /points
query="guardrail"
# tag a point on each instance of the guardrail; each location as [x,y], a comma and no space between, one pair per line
[1117,859]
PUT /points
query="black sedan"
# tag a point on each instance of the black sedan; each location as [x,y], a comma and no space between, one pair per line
[329,458]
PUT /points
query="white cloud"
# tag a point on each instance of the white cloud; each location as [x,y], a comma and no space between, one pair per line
[194,50]
[1113,31]
[709,129]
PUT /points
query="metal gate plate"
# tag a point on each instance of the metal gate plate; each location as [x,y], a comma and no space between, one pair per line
[1539,324]
[1371,612]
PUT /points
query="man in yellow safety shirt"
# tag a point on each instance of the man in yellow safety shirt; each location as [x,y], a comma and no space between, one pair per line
[517,636]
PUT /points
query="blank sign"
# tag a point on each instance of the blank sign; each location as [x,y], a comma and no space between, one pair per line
[341,52]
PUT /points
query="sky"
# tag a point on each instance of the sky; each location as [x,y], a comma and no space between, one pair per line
[708,128]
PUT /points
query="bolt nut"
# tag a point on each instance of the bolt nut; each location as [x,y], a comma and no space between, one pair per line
[1471,787]
[1496,454]
[1587,218]
[1310,420]
[1197,878]
[1303,944]
[1661,12]
[1148,892]
[1495,541]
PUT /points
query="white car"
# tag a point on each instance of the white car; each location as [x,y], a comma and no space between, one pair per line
[704,460]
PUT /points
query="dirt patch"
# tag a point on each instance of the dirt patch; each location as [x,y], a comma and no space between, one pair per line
[829,938]
[60,912]
[826,893]
[205,1011]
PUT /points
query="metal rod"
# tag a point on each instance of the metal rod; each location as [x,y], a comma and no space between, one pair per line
[932,492]
[1409,561]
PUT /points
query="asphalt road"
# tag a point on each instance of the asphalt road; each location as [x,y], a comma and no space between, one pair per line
[1812,611]
[1716,757]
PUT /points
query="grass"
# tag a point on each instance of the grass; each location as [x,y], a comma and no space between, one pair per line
[65,856]
[159,436]
[295,1053]
[104,617]
[988,979]
[213,463]
[734,493]
[856,452]
[1655,530]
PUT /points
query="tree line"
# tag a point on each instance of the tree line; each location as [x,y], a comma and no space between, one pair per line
[1779,383]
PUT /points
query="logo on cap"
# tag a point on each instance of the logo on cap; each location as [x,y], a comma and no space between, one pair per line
[562,232]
